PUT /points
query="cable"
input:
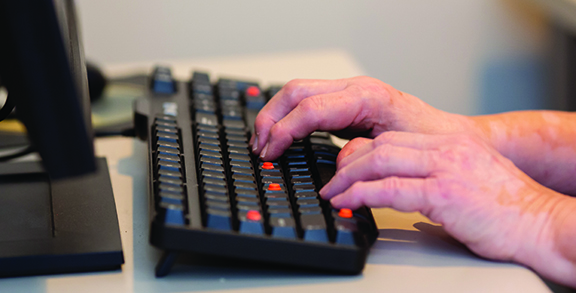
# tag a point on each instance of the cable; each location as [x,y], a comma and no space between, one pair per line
[27,150]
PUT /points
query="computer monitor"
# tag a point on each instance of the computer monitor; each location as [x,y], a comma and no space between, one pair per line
[42,66]
[57,215]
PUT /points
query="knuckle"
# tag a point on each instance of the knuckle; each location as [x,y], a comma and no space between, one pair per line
[277,131]
[356,190]
[391,186]
[342,175]
[382,154]
[292,87]
[386,137]
[311,104]
[260,121]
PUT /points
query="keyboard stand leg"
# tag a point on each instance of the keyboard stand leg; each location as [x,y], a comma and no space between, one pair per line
[165,264]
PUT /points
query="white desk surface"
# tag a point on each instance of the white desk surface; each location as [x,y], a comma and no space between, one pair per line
[404,259]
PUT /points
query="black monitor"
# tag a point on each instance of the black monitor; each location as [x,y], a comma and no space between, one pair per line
[48,87]
[57,215]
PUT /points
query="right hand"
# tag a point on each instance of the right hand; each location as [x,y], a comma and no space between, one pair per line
[359,106]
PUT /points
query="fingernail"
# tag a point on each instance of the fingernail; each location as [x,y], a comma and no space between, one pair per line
[263,154]
[255,144]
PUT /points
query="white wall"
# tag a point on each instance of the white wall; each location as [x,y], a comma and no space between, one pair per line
[469,57]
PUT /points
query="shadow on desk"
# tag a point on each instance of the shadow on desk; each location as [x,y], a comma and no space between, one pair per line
[431,246]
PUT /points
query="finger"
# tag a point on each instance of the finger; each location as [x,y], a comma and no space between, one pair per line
[384,161]
[286,100]
[417,141]
[351,147]
[402,194]
[325,112]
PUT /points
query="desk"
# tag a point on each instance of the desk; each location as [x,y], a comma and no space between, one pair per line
[404,259]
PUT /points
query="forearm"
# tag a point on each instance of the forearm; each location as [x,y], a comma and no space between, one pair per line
[540,143]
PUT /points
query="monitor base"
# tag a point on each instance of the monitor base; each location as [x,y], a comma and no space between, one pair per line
[50,227]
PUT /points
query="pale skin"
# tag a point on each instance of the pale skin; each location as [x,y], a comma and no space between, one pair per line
[497,183]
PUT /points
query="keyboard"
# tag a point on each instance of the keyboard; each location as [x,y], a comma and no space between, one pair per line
[209,194]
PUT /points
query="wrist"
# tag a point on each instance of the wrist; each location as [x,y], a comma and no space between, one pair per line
[548,246]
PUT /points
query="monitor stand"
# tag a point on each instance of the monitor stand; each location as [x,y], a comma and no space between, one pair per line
[63,226]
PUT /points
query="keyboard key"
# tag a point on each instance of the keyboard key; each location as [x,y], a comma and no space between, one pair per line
[169,180]
[278,204]
[168,151]
[209,134]
[168,157]
[164,136]
[218,219]
[243,178]
[211,154]
[170,173]
[216,189]
[169,165]
[213,174]
[242,164]
[310,210]
[174,216]
[200,77]
[208,128]
[308,202]
[283,227]
[245,185]
[206,119]
[162,82]
[314,227]
[171,188]
[251,222]
[218,205]
[280,212]
[167,144]
[248,200]
[236,124]
[345,232]
[215,181]
[216,196]
[236,150]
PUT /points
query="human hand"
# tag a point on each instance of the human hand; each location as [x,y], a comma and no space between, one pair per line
[359,106]
[481,198]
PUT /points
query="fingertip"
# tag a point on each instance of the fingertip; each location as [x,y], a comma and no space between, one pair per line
[324,191]
[337,202]
[264,151]
[254,143]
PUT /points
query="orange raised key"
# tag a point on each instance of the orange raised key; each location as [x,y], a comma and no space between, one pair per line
[253,215]
[345,213]
[267,165]
[274,187]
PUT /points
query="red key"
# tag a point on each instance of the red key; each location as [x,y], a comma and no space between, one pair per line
[253,215]
[345,213]
[253,91]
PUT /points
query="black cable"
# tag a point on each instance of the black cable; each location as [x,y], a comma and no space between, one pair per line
[27,150]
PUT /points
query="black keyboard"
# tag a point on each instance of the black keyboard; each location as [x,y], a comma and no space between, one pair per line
[209,194]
